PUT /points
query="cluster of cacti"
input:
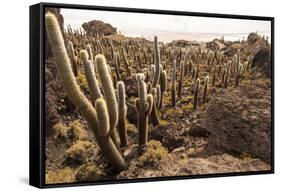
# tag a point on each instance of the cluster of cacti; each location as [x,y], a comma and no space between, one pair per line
[156,66]
[143,104]
[101,121]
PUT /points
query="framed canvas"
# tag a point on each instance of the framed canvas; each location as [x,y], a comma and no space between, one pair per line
[122,95]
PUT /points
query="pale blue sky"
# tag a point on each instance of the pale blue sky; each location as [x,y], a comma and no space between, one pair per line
[169,27]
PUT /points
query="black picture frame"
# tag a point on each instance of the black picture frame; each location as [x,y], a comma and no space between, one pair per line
[37,91]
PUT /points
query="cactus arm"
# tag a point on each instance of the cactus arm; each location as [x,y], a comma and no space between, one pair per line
[157,63]
[90,76]
[122,110]
[103,119]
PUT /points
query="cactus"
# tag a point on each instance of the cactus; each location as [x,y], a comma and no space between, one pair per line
[215,68]
[74,93]
[158,94]
[154,114]
[100,47]
[181,79]
[122,110]
[205,91]
[156,75]
[116,66]
[73,58]
[143,104]
[109,94]
[227,75]
[90,76]
[163,82]
[173,88]
[127,63]
[196,94]
[102,116]
[223,76]
[111,49]
[90,53]
[149,86]
[238,74]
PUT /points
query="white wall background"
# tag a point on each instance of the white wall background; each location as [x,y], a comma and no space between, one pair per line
[14,53]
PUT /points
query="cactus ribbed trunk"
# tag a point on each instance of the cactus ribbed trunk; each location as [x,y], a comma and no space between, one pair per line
[196,94]
[109,94]
[143,104]
[156,75]
[173,88]
[122,110]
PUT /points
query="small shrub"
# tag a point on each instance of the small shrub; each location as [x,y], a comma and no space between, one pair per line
[154,153]
[65,175]
[60,131]
[78,153]
[76,131]
[88,172]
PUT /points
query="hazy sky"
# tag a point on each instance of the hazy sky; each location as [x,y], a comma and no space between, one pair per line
[169,27]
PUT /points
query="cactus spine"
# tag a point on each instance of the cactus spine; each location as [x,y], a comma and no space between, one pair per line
[76,96]
[122,110]
[196,94]
[205,91]
[143,104]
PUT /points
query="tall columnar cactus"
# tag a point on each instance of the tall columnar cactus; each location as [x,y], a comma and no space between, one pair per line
[163,82]
[185,63]
[154,113]
[215,68]
[152,71]
[156,75]
[227,74]
[90,52]
[77,97]
[111,49]
[158,94]
[144,104]
[73,58]
[238,75]
[196,94]
[109,94]
[206,88]
[127,63]
[223,76]
[180,79]
[190,64]
[173,88]
[100,47]
[116,66]
[122,110]
[90,76]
